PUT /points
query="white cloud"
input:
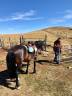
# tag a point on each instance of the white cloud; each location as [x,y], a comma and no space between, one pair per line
[56,20]
[65,16]
[21,16]
[33,18]
[68,11]
[68,14]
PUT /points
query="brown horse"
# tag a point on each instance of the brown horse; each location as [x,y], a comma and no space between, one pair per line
[21,55]
[15,57]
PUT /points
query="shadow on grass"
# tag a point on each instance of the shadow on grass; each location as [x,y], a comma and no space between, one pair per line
[48,62]
[43,61]
[3,79]
[67,60]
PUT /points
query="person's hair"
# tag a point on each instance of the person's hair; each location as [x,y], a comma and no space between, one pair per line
[29,42]
[59,38]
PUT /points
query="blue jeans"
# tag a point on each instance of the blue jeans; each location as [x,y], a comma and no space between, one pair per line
[57,57]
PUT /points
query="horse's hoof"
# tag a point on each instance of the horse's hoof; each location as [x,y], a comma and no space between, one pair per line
[26,72]
[22,71]
[17,87]
[34,71]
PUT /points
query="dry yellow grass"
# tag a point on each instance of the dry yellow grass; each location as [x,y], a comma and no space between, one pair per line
[50,79]
[52,34]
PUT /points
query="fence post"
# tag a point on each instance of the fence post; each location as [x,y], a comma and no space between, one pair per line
[45,41]
[2,42]
[20,39]
[10,42]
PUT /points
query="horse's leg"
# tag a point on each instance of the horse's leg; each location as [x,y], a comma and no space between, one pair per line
[17,81]
[20,66]
[20,70]
[34,70]
[27,67]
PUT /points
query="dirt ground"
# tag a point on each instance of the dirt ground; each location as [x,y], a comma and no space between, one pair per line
[49,80]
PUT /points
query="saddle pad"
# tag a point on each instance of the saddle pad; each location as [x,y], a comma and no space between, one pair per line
[30,49]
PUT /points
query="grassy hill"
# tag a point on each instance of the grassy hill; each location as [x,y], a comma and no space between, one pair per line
[50,79]
[52,34]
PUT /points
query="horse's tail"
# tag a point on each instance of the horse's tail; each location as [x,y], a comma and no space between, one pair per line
[11,66]
[10,60]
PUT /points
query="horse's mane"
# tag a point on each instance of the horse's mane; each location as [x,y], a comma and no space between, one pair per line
[16,47]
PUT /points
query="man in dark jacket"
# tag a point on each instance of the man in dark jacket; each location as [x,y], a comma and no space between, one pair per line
[57,50]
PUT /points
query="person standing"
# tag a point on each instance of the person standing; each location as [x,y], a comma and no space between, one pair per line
[57,50]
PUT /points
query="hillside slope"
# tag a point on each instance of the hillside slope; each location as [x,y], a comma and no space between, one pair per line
[52,34]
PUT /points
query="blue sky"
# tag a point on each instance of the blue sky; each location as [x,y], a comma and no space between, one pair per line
[21,16]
